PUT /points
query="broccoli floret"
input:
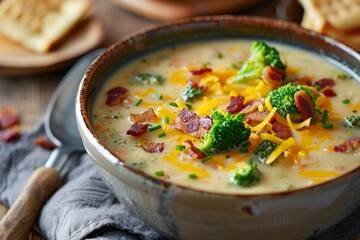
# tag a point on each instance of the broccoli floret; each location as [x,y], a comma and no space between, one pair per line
[190,93]
[227,132]
[263,151]
[353,121]
[149,79]
[261,56]
[283,99]
[246,175]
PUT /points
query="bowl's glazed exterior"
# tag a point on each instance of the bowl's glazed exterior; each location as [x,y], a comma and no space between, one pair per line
[183,213]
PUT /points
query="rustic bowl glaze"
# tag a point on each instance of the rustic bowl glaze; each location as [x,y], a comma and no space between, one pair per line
[184,213]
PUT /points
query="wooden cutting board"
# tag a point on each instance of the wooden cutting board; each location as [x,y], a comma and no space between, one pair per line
[174,9]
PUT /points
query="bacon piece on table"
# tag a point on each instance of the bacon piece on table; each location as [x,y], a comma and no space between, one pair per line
[348,146]
[10,134]
[193,151]
[147,116]
[8,117]
[137,129]
[154,147]
[116,96]
[235,104]
[43,142]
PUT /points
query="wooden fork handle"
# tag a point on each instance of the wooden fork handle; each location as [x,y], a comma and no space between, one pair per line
[21,218]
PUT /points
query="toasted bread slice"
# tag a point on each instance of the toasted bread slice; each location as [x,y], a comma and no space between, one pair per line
[39,24]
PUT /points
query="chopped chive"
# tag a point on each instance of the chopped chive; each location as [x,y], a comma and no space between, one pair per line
[159,173]
[324,116]
[161,134]
[244,149]
[192,176]
[173,104]
[154,127]
[138,102]
[180,147]
[207,158]
[158,96]
[328,125]
[189,106]
[318,87]
[166,120]
[219,55]
[346,101]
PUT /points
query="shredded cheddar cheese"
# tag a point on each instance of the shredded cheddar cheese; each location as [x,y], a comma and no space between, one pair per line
[280,149]
[263,123]
[296,126]
[270,137]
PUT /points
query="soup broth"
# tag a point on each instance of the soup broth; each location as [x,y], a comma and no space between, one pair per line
[162,144]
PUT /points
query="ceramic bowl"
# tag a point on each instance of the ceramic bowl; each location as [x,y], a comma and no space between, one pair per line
[183,213]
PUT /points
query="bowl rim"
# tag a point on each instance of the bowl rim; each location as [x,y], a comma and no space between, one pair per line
[85,122]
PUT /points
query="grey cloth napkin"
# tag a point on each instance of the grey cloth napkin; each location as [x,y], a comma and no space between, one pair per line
[84,208]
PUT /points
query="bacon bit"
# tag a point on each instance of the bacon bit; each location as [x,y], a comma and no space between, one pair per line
[302,81]
[45,143]
[188,122]
[116,96]
[185,115]
[258,117]
[235,104]
[154,147]
[192,126]
[252,105]
[348,146]
[137,129]
[324,82]
[328,91]
[206,122]
[282,131]
[8,117]
[193,151]
[201,71]
[10,134]
[303,104]
[147,116]
[273,76]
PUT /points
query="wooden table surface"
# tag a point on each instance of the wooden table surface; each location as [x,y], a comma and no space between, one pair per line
[30,94]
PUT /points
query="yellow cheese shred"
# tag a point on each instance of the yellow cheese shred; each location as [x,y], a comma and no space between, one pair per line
[207,106]
[161,112]
[180,103]
[174,156]
[295,126]
[270,137]
[263,123]
[179,77]
[317,174]
[280,149]
[268,104]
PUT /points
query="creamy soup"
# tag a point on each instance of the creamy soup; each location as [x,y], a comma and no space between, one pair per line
[143,114]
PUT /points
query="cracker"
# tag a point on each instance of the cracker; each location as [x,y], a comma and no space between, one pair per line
[39,24]
[343,15]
